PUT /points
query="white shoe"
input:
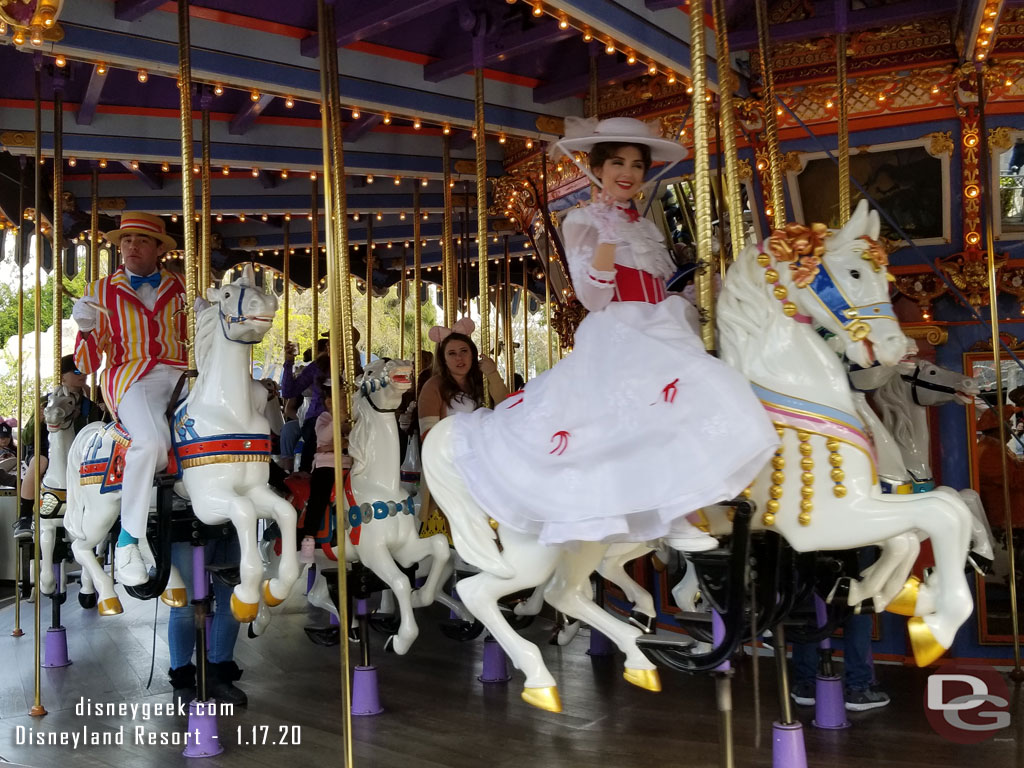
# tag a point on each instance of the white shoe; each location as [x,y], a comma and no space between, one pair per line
[686,537]
[128,566]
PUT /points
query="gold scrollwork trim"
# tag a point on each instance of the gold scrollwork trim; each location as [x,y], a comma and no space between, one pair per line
[939,143]
[112,203]
[1000,138]
[91,480]
[933,334]
[226,458]
[744,171]
[18,139]
[792,161]
[549,124]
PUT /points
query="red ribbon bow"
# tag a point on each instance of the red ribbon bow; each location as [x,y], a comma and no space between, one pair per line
[631,213]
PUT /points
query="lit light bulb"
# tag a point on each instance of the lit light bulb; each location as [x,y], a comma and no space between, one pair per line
[284,173]
[563,23]
[529,143]
[218,90]
[165,167]
[225,170]
[101,68]
[538,10]
[416,123]
[423,182]
[60,61]
[387,119]
[398,180]
[587,37]
[355,113]
[609,48]
[369,178]
[255,173]
[135,165]
[143,75]
[72,162]
[501,138]
[103,162]
[254,95]
[289,102]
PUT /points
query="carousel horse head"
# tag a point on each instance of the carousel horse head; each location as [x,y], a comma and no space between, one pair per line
[245,312]
[929,384]
[384,382]
[837,281]
[60,410]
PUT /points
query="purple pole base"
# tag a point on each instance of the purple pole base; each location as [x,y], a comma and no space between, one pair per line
[788,746]
[310,577]
[829,704]
[495,663]
[56,648]
[365,696]
[600,645]
[202,730]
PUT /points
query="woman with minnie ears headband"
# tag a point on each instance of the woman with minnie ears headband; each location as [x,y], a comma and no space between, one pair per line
[457,385]
[639,427]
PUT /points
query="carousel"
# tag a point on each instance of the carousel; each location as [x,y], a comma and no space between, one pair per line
[730,471]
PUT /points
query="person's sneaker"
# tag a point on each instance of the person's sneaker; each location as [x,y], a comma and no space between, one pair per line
[869,698]
[128,566]
[24,527]
[803,693]
[307,549]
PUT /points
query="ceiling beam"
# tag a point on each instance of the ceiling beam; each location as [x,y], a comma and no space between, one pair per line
[573,86]
[660,5]
[826,24]
[243,121]
[382,17]
[501,48]
[356,129]
[150,180]
[265,178]
[133,10]
[87,109]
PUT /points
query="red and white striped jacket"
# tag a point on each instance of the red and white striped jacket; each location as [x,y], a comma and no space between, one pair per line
[133,338]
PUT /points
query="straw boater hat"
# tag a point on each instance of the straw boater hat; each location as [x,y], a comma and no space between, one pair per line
[582,135]
[137,222]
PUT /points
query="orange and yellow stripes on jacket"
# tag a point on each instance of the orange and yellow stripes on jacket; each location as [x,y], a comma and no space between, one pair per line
[133,338]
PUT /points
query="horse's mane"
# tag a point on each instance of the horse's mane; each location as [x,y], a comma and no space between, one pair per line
[891,402]
[206,322]
[747,316]
[359,437]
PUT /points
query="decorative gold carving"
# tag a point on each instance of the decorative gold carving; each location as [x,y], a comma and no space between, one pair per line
[465,167]
[923,288]
[791,161]
[969,273]
[1000,139]
[17,139]
[112,203]
[744,171]
[566,319]
[549,124]
[1012,281]
[1011,341]
[939,143]
[935,335]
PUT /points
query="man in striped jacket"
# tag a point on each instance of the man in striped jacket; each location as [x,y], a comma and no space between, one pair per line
[135,318]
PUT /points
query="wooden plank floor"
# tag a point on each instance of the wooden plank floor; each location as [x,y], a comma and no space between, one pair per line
[437,714]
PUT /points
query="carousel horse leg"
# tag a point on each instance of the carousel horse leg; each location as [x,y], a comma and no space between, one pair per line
[46,581]
[175,595]
[532,605]
[276,590]
[893,553]
[108,601]
[379,560]
[569,592]
[87,591]
[415,550]
[613,568]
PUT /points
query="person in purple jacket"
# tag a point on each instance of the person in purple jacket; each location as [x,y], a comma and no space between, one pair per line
[311,377]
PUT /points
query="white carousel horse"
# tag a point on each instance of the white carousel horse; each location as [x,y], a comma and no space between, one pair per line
[767,315]
[381,522]
[221,443]
[58,417]
[773,300]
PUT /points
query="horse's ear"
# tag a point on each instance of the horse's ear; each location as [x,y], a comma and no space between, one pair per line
[874,225]
[211,295]
[855,227]
[248,278]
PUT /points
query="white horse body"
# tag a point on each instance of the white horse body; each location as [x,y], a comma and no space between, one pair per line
[382,525]
[223,486]
[58,416]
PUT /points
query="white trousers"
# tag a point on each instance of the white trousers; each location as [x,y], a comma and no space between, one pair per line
[142,412]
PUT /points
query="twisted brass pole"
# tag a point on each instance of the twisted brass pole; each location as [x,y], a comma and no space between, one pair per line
[402,286]
[525,298]
[481,218]
[844,131]
[19,250]
[58,229]
[506,309]
[188,203]
[417,287]
[777,199]
[727,119]
[206,249]
[338,282]
[367,345]
[451,309]
[286,267]
[702,175]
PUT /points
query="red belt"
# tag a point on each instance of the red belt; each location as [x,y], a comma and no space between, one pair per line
[637,285]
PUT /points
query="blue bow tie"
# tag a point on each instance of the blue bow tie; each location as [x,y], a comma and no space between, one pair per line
[138,282]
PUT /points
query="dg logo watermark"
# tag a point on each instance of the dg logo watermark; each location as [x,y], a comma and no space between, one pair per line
[965,704]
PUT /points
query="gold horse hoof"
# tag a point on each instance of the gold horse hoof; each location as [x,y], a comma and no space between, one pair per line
[268,596]
[905,603]
[244,613]
[110,607]
[926,648]
[176,597]
[648,679]
[543,698]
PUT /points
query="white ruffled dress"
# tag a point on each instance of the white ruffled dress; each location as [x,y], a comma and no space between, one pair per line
[637,427]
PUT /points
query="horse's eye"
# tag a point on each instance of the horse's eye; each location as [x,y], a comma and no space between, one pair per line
[855,274]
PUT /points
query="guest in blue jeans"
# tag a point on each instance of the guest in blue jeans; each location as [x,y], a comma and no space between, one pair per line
[222,672]
[861,689]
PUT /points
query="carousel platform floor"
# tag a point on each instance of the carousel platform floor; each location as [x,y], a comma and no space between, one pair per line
[437,715]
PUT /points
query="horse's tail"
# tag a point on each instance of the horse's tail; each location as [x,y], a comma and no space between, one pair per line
[474,538]
[74,511]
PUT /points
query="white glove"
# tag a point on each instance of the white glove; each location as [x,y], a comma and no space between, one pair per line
[85,314]
[607,219]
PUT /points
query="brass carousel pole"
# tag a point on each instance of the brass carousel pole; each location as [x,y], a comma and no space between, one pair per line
[402,296]
[547,256]
[481,214]
[94,254]
[58,225]
[286,268]
[777,201]
[206,236]
[844,131]
[984,163]
[188,203]
[340,298]
[525,299]
[417,288]
[451,308]
[702,176]
[506,325]
[369,289]
[37,253]
[734,199]
[547,318]
[314,233]
[314,275]
[19,246]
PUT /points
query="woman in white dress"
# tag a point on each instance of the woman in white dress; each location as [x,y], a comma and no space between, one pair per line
[639,426]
